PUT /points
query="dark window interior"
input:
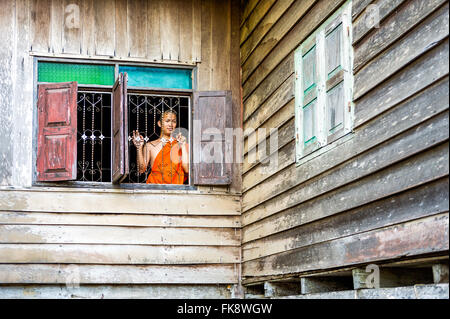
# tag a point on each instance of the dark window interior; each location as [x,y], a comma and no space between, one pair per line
[94,137]
[94,130]
[144,111]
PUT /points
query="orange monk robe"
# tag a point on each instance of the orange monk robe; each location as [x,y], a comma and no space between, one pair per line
[167,167]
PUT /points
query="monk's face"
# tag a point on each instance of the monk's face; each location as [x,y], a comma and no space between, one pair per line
[168,124]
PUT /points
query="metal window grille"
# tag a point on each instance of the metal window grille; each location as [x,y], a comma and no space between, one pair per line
[94,137]
[144,112]
[94,130]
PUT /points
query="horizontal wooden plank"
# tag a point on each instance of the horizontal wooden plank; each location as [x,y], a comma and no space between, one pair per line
[248,9]
[433,131]
[410,113]
[283,95]
[351,196]
[259,172]
[44,234]
[424,37]
[153,291]
[276,34]
[380,8]
[429,68]
[418,262]
[414,261]
[279,119]
[36,218]
[393,29]
[427,235]
[255,17]
[117,274]
[112,59]
[116,254]
[420,202]
[282,72]
[410,173]
[358,6]
[286,136]
[284,123]
[277,10]
[132,202]
[260,70]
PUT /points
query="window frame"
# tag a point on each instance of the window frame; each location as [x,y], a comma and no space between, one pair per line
[325,141]
[108,88]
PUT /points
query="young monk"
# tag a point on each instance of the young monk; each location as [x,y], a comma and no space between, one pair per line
[168,157]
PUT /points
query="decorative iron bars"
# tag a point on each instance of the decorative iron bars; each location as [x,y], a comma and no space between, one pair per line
[94,137]
[144,112]
[94,130]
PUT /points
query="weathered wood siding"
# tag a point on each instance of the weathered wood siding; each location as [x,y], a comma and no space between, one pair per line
[154,30]
[101,237]
[202,33]
[114,238]
[382,194]
[116,292]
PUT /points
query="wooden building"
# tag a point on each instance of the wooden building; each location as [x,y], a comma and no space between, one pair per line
[378,194]
[358,93]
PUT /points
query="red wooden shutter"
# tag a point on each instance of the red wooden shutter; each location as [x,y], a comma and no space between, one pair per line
[212,110]
[120,165]
[57,138]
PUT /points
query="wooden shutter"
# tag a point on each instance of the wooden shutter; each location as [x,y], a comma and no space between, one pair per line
[310,103]
[334,77]
[57,137]
[337,78]
[308,97]
[120,162]
[212,112]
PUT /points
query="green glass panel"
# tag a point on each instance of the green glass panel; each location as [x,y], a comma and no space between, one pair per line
[94,74]
[164,78]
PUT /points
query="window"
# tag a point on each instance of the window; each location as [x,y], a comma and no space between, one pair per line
[324,84]
[93,136]
[87,113]
[144,111]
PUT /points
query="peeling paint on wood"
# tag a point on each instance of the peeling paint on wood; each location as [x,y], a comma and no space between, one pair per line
[116,292]
[85,201]
[117,274]
[55,234]
[6,93]
[426,235]
[117,254]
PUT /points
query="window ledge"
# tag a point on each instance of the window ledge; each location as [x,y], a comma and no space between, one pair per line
[325,149]
[77,187]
